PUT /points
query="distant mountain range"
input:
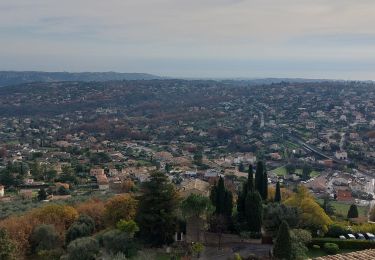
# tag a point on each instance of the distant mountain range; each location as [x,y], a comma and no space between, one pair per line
[18,77]
[8,78]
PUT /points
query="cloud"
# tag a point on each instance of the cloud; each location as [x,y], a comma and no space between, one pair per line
[187,32]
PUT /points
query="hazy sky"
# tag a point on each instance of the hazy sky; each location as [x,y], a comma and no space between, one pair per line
[192,38]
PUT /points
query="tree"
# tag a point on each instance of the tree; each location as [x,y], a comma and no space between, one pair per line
[95,209]
[129,227]
[7,248]
[116,241]
[283,244]
[312,215]
[85,248]
[196,207]
[253,211]
[222,199]
[274,214]
[290,168]
[353,211]
[306,170]
[61,216]
[259,177]
[42,194]
[198,158]
[157,210]
[265,186]
[278,193]
[327,206]
[44,237]
[261,180]
[300,239]
[82,227]
[120,207]
[241,167]
[247,187]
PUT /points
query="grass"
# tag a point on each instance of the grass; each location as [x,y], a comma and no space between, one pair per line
[342,208]
[313,253]
[281,171]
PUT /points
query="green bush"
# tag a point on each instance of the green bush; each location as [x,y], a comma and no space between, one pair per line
[344,244]
[336,230]
[85,248]
[331,248]
[44,237]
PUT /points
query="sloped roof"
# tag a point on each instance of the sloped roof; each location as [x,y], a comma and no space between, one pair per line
[364,254]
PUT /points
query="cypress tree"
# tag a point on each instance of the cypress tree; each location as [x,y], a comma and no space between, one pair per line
[222,199]
[283,245]
[253,211]
[250,179]
[353,211]
[259,177]
[247,187]
[265,186]
[278,192]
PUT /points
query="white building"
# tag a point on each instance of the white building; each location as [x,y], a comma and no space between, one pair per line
[341,155]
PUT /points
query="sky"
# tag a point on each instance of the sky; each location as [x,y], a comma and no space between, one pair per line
[330,39]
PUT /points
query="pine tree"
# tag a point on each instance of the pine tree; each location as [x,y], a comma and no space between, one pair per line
[353,211]
[278,192]
[283,245]
[157,211]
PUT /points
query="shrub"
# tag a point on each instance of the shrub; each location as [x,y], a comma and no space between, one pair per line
[336,230]
[83,227]
[115,241]
[316,247]
[331,248]
[85,248]
[344,244]
[353,211]
[44,237]
[118,208]
[95,209]
[7,248]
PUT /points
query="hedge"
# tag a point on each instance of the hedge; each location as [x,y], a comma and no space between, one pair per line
[343,244]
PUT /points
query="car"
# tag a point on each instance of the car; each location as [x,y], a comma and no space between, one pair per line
[342,237]
[360,236]
[350,236]
[369,236]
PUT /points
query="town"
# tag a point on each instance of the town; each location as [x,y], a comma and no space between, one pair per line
[67,142]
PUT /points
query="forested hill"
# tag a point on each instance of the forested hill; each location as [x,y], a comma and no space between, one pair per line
[18,77]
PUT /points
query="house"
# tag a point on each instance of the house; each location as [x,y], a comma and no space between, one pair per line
[26,193]
[341,155]
[194,186]
[103,182]
[96,171]
[344,195]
